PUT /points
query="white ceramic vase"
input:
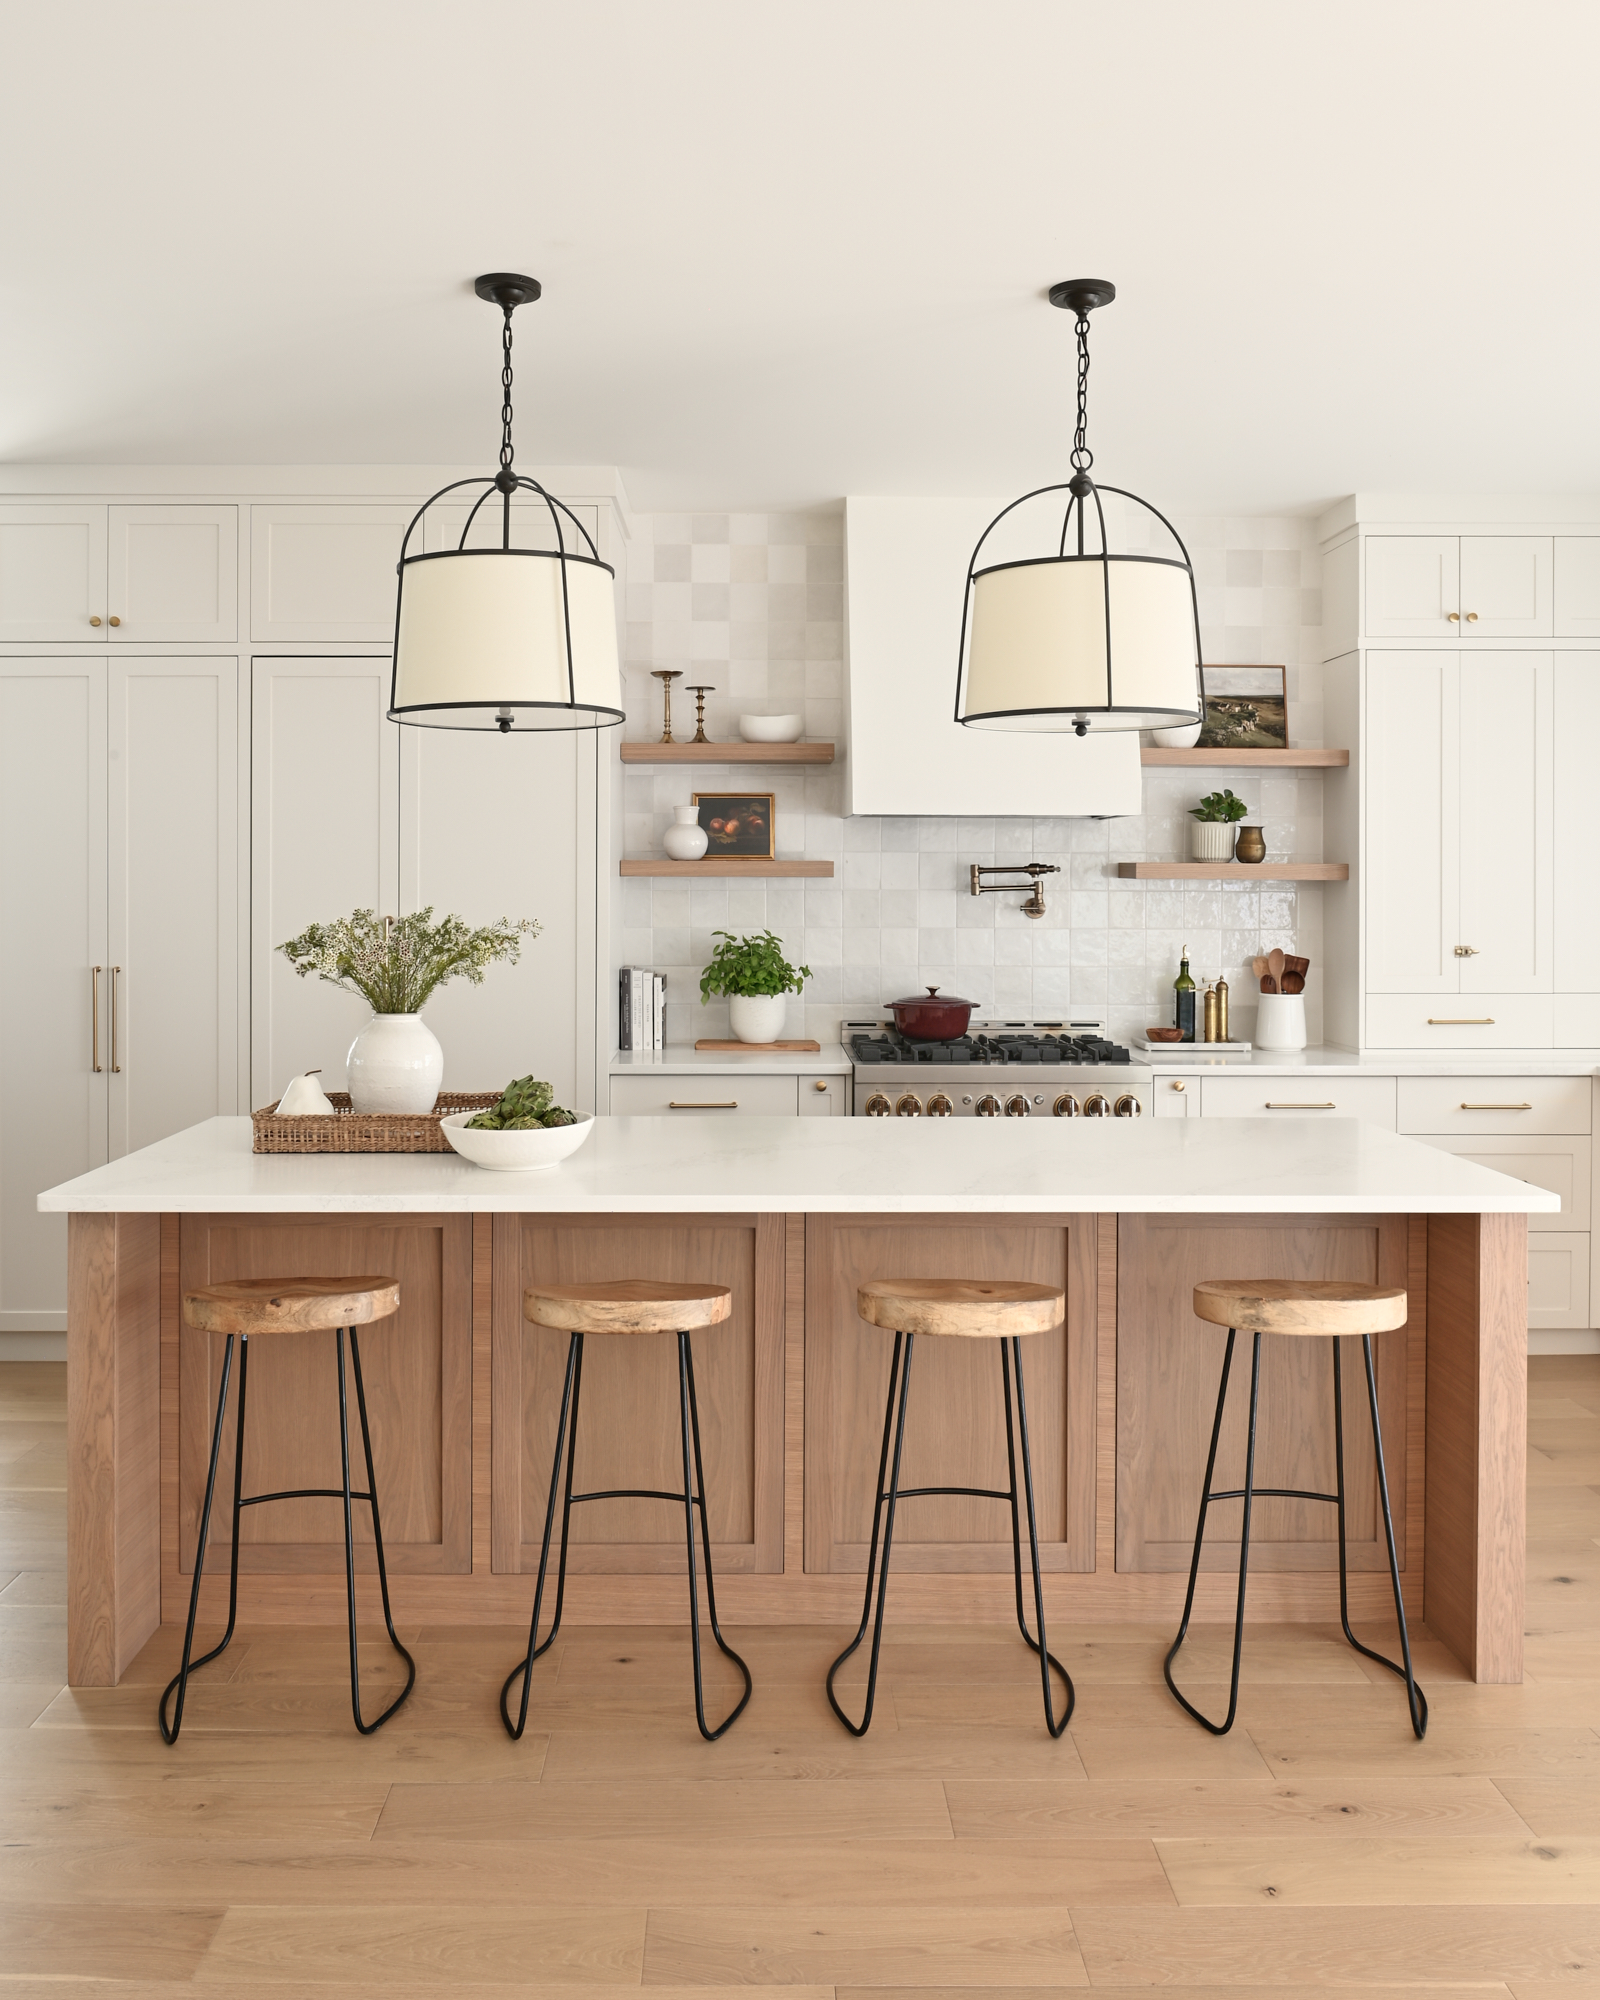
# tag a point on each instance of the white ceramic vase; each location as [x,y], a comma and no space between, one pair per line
[757,1017]
[1211,840]
[686,838]
[1281,1021]
[394,1064]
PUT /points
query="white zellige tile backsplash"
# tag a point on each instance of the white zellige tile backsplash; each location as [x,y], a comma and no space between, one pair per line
[754,605]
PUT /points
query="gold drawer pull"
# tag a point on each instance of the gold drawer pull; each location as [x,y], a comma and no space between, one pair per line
[1329,1106]
[1460,1020]
[726,1104]
[1497,1107]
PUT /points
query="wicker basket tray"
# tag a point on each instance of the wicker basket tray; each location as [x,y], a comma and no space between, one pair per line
[365,1131]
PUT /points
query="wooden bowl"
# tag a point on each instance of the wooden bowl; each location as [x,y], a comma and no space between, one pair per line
[1163,1034]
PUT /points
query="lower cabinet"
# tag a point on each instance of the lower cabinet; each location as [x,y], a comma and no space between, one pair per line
[642,1096]
[1369,1098]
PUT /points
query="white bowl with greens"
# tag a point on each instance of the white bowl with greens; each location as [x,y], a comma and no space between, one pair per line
[527,1132]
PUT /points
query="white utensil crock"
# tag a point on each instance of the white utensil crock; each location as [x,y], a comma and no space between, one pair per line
[1281,1021]
[686,838]
[757,1017]
[1211,839]
[394,1064]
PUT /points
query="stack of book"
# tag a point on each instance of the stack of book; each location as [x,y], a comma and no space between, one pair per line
[641,1008]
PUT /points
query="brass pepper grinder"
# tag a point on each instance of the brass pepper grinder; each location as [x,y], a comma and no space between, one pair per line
[1222,1010]
[1208,1030]
[666,676]
[699,692]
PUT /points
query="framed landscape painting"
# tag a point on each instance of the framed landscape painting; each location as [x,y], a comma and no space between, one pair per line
[1246,708]
[737,823]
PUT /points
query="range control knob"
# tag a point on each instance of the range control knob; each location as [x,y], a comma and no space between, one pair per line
[939,1106]
[987,1106]
[1067,1105]
[1127,1106]
[1095,1106]
[1018,1106]
[908,1106]
[877,1105]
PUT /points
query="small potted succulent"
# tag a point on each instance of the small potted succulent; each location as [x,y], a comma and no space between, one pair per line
[755,976]
[1215,818]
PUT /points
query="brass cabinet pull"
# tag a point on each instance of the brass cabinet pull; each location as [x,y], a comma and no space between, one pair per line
[113,621]
[1460,1020]
[1497,1107]
[819,1086]
[1454,617]
[1466,951]
[1472,618]
[94,1009]
[1329,1106]
[726,1104]
[95,620]
[116,1067]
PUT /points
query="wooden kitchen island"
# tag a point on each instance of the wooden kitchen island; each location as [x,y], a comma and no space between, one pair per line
[1124,1216]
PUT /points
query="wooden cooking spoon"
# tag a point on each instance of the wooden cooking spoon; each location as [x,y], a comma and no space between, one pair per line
[1258,966]
[1294,982]
[1275,963]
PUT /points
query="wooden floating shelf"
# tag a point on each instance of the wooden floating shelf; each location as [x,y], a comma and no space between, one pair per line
[1305,760]
[727,753]
[709,867]
[1231,871]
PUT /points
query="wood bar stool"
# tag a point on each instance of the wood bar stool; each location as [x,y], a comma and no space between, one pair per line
[627,1306]
[1302,1308]
[964,1309]
[247,1307]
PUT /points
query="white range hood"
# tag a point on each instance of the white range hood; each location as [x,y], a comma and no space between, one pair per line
[905,574]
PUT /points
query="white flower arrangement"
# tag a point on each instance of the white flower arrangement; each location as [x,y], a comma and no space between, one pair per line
[396,963]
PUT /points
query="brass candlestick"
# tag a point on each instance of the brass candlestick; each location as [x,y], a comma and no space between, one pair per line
[666,676]
[699,694]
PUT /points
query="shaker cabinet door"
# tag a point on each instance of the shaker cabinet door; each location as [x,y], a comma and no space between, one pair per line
[1577,882]
[53,573]
[1412,856]
[1413,586]
[325,574]
[1505,586]
[1505,822]
[1577,586]
[173,574]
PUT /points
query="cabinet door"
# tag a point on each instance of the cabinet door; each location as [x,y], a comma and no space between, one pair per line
[1505,586]
[53,916]
[325,573]
[53,573]
[1412,757]
[173,838]
[1505,822]
[324,841]
[1413,586]
[173,573]
[1577,881]
[490,827]
[1577,586]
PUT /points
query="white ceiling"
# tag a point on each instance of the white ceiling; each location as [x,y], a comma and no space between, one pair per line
[798,248]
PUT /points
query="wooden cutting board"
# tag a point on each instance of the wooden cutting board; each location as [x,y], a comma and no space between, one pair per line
[762,1048]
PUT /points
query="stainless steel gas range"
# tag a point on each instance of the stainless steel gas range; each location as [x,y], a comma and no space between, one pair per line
[998,1069]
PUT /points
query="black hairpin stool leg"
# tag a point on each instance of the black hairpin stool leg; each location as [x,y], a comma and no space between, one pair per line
[366,1728]
[566,1439]
[899,1371]
[1247,1494]
[1416,1700]
[1047,1659]
[180,1680]
[694,1495]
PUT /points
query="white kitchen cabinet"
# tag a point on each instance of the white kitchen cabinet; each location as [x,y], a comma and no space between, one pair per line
[697,1093]
[1506,586]
[1369,1098]
[1173,1097]
[1506,1106]
[1576,879]
[325,574]
[822,1096]
[1411,878]
[1558,1279]
[492,826]
[53,573]
[324,810]
[1505,803]
[1448,1024]
[172,574]
[1413,586]
[1548,1160]
[1577,586]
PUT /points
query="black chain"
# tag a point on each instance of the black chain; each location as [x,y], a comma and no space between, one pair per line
[505,395]
[1082,456]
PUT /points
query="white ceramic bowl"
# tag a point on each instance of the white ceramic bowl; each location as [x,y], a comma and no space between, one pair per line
[532,1152]
[1185,737]
[772,728]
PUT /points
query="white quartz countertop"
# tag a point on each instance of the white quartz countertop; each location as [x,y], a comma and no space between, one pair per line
[835,1166]
[1197,1058]
[687,1060]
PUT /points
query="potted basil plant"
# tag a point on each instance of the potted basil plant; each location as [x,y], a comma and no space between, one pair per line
[1212,835]
[756,978]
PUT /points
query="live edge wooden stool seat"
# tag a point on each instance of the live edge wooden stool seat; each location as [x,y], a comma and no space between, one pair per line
[631,1306]
[961,1309]
[1300,1308]
[244,1309]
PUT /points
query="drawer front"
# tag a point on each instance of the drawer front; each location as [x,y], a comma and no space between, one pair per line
[1558,1279]
[714,1096]
[1174,1096]
[822,1096]
[1547,1160]
[1447,1021]
[1369,1098]
[1509,1104]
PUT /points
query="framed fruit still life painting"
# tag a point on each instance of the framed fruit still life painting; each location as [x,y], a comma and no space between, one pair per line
[737,824]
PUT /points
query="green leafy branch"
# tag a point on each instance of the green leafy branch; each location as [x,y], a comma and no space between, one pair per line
[396,963]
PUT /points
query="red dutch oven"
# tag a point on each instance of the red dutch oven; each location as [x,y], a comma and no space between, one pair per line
[938,1018]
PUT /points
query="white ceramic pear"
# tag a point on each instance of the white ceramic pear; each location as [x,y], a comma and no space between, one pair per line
[305,1098]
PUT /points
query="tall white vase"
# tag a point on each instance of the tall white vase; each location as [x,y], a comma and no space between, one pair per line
[394,1064]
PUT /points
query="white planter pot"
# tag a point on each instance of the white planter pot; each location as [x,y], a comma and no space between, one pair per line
[686,839]
[1281,1021]
[394,1064]
[757,1017]
[1211,840]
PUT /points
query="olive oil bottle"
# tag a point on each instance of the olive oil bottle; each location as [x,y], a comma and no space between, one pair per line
[1183,991]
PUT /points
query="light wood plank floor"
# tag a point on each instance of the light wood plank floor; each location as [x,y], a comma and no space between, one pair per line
[275,1854]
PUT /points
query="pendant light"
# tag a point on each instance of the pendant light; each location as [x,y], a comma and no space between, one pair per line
[501,636]
[1080,636]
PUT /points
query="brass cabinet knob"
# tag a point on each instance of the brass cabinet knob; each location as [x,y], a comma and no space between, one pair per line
[1180,1084]
[1466,951]
[1454,617]
[94,621]
[1472,618]
[819,1086]
[113,621]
